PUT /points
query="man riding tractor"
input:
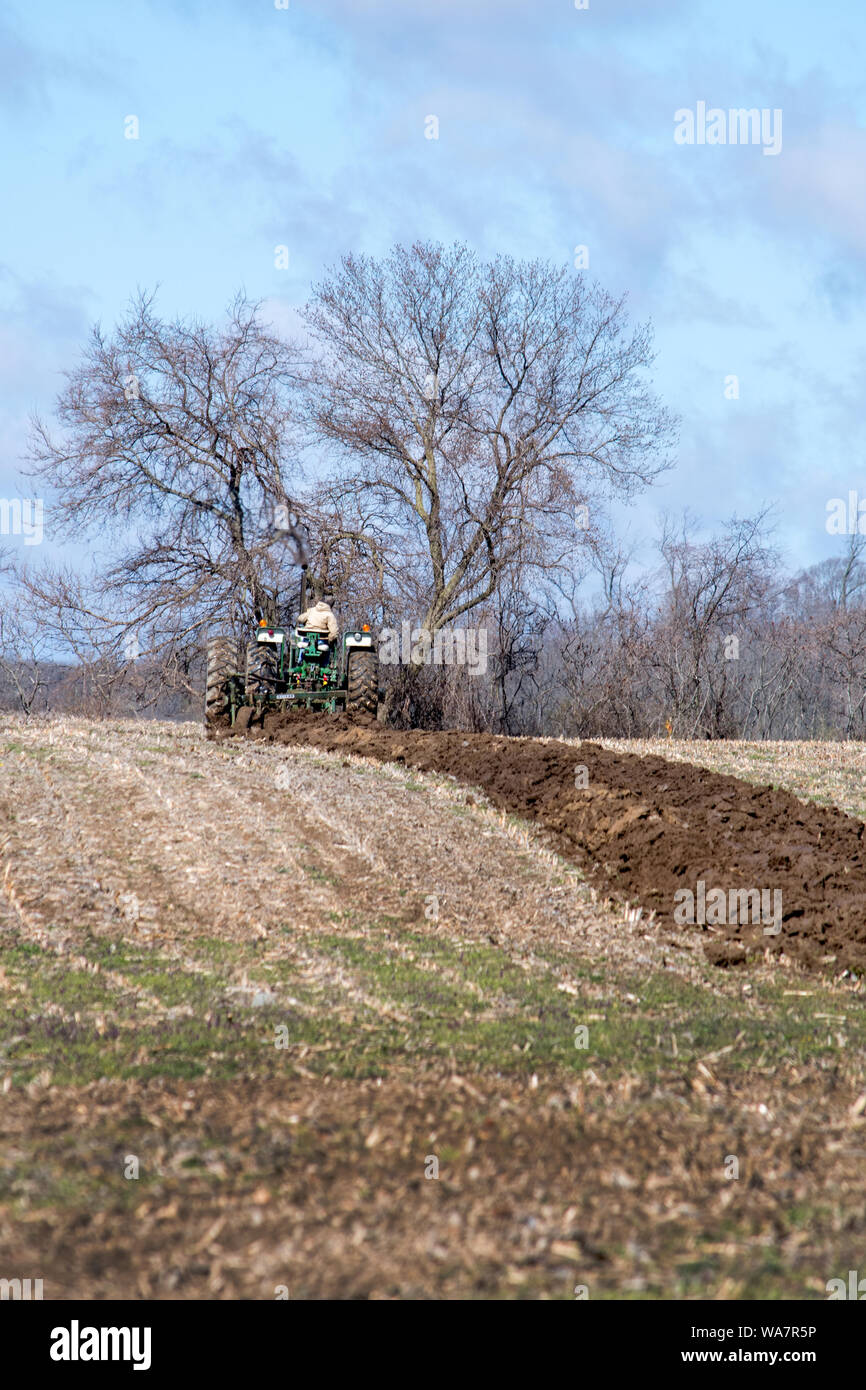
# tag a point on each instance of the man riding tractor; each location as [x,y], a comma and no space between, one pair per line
[320,618]
[293,664]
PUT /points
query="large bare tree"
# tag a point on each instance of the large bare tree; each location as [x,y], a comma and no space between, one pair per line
[176,448]
[472,405]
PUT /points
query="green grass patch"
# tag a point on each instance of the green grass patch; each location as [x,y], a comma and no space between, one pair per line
[320,876]
[420,998]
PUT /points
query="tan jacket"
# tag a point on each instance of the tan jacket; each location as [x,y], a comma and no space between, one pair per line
[321,619]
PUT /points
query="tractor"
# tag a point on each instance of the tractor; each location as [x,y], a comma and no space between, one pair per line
[291,665]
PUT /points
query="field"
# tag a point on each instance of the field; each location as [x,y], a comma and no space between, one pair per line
[331,1011]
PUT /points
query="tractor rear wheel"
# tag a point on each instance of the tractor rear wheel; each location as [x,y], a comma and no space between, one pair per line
[362,692]
[261,672]
[221,666]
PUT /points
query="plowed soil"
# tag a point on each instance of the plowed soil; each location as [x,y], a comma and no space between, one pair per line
[643,828]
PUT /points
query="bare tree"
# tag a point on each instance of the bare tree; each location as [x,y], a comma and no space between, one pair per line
[25,656]
[837,590]
[469,402]
[177,446]
[712,588]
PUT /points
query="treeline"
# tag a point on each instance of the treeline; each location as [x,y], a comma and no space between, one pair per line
[439,449]
[98,690]
[716,642]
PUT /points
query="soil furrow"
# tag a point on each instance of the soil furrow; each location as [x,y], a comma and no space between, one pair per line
[751,868]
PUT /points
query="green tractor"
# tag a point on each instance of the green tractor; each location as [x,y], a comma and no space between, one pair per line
[288,665]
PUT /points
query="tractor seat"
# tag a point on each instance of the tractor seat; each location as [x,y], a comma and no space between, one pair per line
[322,637]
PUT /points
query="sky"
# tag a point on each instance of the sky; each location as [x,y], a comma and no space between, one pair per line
[306,124]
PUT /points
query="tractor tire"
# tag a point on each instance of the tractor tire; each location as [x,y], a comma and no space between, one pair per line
[362,693]
[221,666]
[261,669]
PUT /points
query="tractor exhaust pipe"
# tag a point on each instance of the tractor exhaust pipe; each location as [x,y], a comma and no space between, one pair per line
[303,596]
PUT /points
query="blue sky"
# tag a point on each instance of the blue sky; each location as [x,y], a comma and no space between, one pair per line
[305,126]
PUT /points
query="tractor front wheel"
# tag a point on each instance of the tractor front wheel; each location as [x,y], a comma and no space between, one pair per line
[362,693]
